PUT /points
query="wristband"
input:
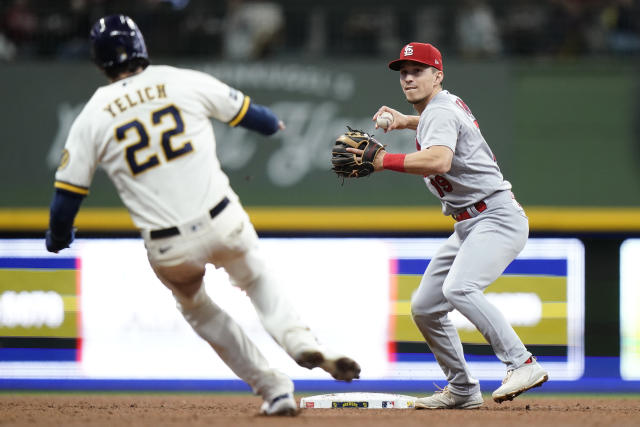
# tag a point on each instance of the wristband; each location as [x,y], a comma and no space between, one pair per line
[394,162]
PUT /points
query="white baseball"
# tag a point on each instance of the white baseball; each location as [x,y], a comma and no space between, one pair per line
[384,120]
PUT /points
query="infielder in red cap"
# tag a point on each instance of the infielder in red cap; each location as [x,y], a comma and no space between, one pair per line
[491,229]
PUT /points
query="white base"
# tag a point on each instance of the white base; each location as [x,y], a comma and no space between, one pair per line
[358,400]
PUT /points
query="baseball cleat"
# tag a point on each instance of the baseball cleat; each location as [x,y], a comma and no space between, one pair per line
[340,367]
[445,399]
[283,405]
[310,359]
[519,380]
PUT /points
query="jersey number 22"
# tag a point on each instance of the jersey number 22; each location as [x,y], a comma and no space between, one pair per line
[137,126]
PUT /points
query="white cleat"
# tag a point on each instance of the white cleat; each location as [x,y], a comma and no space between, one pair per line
[283,406]
[519,380]
[340,367]
[445,399]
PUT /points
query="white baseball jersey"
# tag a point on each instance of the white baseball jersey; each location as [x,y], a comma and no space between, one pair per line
[152,134]
[474,172]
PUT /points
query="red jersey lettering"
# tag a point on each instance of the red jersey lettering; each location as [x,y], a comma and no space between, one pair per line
[460,103]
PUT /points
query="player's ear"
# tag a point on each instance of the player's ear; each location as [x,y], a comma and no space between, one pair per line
[439,77]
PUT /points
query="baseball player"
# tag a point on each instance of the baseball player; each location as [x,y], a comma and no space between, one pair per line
[491,229]
[150,130]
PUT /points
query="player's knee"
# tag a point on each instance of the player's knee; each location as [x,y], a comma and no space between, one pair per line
[190,290]
[246,281]
[423,309]
[191,300]
[204,316]
[457,291]
[450,293]
[245,271]
[427,320]
[184,279]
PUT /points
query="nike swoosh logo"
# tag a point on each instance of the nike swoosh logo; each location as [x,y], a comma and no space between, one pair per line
[164,249]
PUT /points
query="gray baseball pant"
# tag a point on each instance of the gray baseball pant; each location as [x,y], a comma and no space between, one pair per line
[472,258]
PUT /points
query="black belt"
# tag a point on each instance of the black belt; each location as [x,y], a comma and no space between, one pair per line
[173,231]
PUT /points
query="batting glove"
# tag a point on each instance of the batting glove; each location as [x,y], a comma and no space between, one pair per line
[55,244]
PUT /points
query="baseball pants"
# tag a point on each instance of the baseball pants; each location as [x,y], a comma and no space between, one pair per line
[229,241]
[472,258]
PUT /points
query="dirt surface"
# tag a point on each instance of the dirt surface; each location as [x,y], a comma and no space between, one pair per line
[118,410]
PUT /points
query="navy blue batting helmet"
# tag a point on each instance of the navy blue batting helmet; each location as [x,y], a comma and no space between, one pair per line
[115,40]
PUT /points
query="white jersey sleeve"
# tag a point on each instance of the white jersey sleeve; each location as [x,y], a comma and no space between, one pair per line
[440,127]
[220,101]
[152,134]
[474,173]
[79,158]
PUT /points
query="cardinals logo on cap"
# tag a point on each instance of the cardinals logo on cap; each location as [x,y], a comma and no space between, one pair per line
[423,53]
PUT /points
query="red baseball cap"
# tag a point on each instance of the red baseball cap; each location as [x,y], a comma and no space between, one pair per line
[423,53]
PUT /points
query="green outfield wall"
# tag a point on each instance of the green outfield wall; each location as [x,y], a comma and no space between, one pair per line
[565,134]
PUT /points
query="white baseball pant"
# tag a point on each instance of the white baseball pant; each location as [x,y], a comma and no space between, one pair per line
[229,241]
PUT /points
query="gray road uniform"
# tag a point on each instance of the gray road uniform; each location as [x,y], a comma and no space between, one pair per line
[490,231]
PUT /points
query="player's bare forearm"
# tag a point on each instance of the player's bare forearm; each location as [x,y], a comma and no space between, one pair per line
[433,160]
[412,122]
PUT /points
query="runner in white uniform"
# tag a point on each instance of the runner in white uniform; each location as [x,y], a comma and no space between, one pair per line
[150,130]
[492,228]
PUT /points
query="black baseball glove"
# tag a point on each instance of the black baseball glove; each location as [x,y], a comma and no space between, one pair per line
[349,165]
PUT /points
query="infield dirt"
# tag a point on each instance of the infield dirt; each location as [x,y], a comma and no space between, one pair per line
[118,410]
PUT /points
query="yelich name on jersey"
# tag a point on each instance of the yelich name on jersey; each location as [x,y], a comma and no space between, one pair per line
[140,96]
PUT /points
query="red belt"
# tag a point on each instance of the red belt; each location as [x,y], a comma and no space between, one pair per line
[480,207]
